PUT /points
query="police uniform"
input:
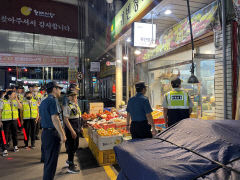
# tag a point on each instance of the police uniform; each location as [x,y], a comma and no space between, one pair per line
[37,97]
[51,141]
[9,119]
[178,104]
[73,113]
[138,107]
[30,113]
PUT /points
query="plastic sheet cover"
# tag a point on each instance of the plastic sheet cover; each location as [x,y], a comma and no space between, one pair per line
[191,149]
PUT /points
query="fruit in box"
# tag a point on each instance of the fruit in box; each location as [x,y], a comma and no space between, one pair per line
[102,132]
[157,114]
[112,132]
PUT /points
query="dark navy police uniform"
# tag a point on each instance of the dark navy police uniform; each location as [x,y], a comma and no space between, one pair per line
[138,107]
[50,137]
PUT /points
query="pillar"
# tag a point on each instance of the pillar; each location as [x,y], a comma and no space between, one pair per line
[119,75]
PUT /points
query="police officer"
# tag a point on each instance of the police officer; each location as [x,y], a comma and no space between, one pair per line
[30,117]
[20,93]
[8,118]
[177,104]
[72,121]
[139,111]
[72,87]
[53,133]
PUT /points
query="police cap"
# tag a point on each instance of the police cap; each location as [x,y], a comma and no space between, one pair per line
[71,93]
[53,84]
[73,86]
[140,85]
[176,82]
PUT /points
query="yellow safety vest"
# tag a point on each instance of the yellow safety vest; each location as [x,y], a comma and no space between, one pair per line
[79,114]
[10,110]
[177,100]
[20,97]
[30,109]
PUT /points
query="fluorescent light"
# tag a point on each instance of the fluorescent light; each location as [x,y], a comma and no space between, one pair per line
[125,57]
[137,52]
[119,61]
[168,11]
[128,39]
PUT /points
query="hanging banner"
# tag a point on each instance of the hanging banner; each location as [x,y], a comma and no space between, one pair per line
[179,35]
[44,17]
[36,60]
[132,10]
[236,4]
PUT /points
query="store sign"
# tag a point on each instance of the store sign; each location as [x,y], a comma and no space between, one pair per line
[34,60]
[96,107]
[129,12]
[49,18]
[95,67]
[179,35]
[144,34]
[236,4]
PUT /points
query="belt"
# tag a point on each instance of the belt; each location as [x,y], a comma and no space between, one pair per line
[52,129]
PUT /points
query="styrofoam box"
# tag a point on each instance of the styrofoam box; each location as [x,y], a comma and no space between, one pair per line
[95,137]
[108,142]
[90,132]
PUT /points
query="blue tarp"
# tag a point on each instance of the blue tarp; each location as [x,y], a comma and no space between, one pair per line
[192,149]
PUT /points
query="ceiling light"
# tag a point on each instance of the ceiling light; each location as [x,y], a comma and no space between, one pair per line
[168,11]
[119,61]
[137,52]
[125,57]
[128,39]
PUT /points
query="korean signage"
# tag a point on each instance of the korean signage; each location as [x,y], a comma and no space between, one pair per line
[144,34]
[35,60]
[179,35]
[44,17]
[236,4]
[128,14]
[95,67]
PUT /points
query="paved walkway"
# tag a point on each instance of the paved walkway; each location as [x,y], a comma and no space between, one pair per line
[25,165]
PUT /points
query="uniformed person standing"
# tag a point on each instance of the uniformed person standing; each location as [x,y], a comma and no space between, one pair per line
[8,118]
[177,104]
[20,93]
[140,112]
[30,116]
[53,133]
[72,121]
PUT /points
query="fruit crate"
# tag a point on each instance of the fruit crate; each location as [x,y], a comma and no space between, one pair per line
[106,157]
[85,132]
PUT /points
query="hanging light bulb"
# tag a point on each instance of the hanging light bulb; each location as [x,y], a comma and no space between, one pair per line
[137,52]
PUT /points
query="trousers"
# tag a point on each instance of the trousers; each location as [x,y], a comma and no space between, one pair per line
[29,125]
[71,145]
[10,127]
[51,146]
[140,130]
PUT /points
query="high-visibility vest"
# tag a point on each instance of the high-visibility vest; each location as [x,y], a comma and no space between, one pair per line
[10,110]
[30,109]
[20,97]
[79,114]
[177,100]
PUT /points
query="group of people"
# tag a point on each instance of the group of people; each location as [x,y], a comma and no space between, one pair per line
[19,108]
[60,122]
[177,106]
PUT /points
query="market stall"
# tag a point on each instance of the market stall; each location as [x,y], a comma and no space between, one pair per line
[106,128]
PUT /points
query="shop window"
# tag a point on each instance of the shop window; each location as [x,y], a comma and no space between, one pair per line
[202,94]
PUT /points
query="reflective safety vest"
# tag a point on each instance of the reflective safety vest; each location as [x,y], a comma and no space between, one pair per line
[30,109]
[20,97]
[78,115]
[177,100]
[10,110]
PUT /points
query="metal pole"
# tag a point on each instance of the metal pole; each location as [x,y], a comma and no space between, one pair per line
[43,72]
[224,56]
[127,81]
[51,73]
[79,46]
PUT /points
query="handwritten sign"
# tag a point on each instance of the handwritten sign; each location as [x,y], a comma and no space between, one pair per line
[95,107]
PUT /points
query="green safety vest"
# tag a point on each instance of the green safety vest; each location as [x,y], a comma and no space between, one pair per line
[20,97]
[10,110]
[177,100]
[78,109]
[30,109]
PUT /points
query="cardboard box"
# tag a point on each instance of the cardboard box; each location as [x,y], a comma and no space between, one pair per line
[95,107]
[108,142]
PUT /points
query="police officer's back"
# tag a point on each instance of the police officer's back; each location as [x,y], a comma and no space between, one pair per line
[177,104]
[139,111]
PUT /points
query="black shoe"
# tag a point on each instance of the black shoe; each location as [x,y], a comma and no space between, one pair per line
[37,138]
[73,170]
